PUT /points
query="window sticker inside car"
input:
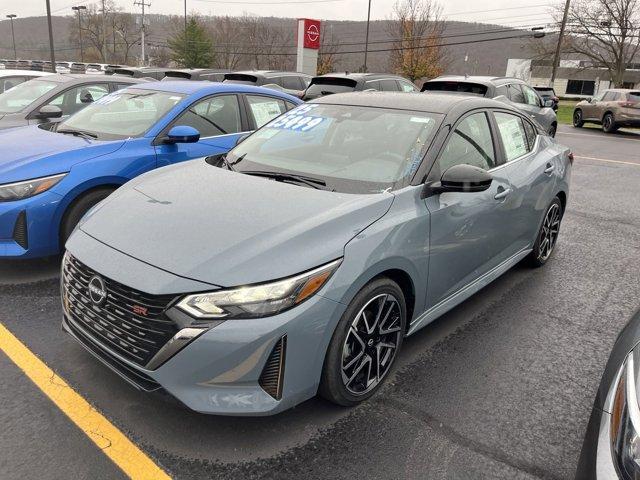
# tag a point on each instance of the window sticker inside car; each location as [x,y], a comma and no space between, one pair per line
[301,123]
[107,99]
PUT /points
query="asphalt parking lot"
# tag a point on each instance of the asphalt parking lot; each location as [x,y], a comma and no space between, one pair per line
[500,387]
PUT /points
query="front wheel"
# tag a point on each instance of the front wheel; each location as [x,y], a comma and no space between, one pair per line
[547,236]
[365,344]
[578,122]
[552,130]
[77,210]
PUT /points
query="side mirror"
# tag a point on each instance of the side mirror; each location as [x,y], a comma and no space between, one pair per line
[48,111]
[242,138]
[181,134]
[459,178]
[549,103]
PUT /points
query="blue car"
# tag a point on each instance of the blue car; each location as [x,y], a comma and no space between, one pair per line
[51,175]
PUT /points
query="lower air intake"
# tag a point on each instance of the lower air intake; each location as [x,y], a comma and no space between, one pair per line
[20,230]
[272,375]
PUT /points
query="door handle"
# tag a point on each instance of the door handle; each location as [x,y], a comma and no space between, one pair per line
[550,168]
[502,193]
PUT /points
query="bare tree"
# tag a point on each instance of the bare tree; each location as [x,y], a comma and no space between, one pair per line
[328,49]
[416,27]
[229,42]
[607,32]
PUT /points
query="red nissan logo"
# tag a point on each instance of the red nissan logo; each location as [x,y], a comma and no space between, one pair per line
[313,33]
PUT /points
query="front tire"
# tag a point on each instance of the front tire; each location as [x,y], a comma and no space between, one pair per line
[578,121]
[77,210]
[547,235]
[365,344]
[552,130]
[609,123]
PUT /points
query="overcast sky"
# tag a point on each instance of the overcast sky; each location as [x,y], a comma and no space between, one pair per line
[505,12]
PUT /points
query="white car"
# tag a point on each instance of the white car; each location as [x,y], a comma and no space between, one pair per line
[11,78]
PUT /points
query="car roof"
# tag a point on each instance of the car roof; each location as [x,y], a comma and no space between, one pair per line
[267,73]
[433,102]
[80,78]
[196,86]
[35,73]
[360,76]
[481,79]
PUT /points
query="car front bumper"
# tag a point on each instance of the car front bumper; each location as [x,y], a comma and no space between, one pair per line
[27,227]
[219,372]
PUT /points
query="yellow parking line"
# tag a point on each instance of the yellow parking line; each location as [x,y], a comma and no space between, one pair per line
[637,164]
[113,443]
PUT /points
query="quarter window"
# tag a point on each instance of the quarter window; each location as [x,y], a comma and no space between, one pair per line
[264,109]
[609,96]
[406,86]
[219,115]
[388,85]
[470,143]
[513,135]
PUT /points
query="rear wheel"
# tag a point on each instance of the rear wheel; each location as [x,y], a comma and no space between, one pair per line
[77,210]
[365,344]
[578,122]
[552,130]
[608,123]
[547,236]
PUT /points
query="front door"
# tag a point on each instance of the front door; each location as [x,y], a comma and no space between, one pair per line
[469,232]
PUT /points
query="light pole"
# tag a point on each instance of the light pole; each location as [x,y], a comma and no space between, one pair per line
[11,17]
[78,9]
[366,41]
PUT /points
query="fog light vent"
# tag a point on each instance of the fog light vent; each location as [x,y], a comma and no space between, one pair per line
[272,375]
[20,230]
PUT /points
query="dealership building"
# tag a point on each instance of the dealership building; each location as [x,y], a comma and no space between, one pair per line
[574,78]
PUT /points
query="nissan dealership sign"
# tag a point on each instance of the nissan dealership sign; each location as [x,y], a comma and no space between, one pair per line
[308,43]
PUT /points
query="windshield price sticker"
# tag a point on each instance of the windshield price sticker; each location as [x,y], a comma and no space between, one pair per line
[301,123]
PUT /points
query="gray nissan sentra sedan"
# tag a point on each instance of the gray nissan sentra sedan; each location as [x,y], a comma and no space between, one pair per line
[296,265]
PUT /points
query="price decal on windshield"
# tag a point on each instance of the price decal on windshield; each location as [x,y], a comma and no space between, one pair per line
[301,123]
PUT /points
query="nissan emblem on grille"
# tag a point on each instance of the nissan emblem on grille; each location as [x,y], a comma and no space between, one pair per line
[97,290]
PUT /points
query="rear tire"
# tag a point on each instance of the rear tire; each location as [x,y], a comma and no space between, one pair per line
[578,121]
[78,208]
[365,344]
[609,123]
[552,130]
[547,236]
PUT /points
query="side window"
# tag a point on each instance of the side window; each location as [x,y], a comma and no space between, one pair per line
[264,109]
[388,85]
[406,86]
[276,80]
[470,143]
[502,90]
[291,82]
[219,115]
[608,96]
[513,135]
[515,93]
[75,99]
[530,95]
[373,84]
[10,82]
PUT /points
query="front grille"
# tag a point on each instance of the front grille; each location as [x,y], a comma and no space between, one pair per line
[20,230]
[134,376]
[129,322]
[272,376]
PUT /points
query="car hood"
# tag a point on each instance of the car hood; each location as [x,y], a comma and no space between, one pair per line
[31,152]
[226,228]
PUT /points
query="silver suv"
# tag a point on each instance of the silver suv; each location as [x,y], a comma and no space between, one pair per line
[510,90]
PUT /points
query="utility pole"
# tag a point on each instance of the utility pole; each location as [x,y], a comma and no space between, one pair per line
[104,32]
[556,57]
[11,17]
[53,56]
[78,9]
[366,41]
[142,4]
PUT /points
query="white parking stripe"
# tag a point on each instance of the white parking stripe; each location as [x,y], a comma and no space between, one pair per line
[636,164]
[616,137]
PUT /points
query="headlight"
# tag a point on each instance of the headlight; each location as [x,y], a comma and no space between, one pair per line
[28,188]
[625,422]
[258,300]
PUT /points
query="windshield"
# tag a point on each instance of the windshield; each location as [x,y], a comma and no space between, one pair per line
[351,149]
[122,114]
[24,94]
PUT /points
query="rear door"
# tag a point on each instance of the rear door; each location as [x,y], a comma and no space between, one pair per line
[220,121]
[529,166]
[469,234]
